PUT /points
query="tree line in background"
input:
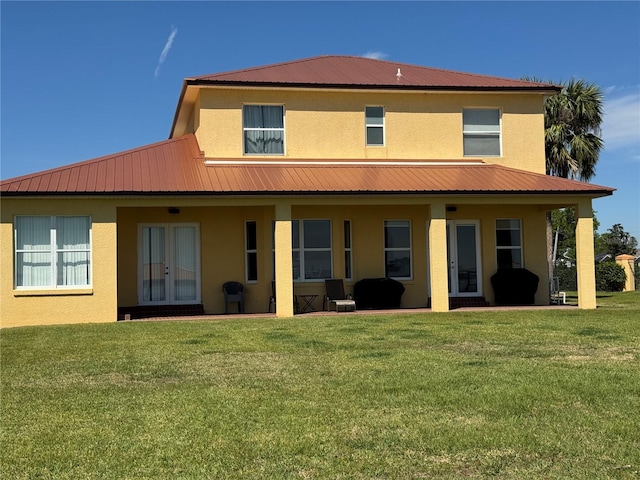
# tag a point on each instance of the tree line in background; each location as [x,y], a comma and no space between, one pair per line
[572,148]
[607,246]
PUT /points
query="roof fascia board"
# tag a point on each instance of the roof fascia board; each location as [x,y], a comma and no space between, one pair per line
[549,89]
[476,195]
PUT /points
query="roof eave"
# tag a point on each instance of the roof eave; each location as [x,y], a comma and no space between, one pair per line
[491,193]
[552,89]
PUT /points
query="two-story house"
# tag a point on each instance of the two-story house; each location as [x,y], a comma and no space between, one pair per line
[326,167]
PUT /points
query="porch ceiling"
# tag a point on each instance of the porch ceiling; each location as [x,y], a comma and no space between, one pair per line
[177,166]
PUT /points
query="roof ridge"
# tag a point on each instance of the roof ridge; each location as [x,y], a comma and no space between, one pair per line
[368,59]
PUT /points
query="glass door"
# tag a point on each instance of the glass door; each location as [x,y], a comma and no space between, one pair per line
[168,264]
[463,255]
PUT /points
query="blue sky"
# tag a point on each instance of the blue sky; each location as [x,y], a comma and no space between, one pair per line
[85,79]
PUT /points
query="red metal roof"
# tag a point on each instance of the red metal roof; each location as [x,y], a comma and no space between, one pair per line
[177,166]
[349,71]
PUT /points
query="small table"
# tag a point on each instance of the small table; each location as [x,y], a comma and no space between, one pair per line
[307,303]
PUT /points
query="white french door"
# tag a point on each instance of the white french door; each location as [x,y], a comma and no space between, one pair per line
[463,255]
[168,263]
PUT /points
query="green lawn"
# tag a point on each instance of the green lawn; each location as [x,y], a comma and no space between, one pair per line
[512,394]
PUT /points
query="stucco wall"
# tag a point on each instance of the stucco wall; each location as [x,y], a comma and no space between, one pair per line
[96,303]
[331,125]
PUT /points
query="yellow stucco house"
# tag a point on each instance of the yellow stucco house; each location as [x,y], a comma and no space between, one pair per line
[326,167]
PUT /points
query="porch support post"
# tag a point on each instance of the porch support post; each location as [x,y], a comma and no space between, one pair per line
[283,260]
[585,260]
[438,264]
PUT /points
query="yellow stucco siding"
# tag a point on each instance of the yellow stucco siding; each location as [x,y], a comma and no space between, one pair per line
[96,303]
[418,125]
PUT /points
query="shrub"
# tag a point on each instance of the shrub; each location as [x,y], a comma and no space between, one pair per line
[567,277]
[610,277]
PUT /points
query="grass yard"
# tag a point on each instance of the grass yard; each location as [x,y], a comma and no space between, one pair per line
[535,394]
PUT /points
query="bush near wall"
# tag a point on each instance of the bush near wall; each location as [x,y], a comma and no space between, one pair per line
[567,277]
[610,277]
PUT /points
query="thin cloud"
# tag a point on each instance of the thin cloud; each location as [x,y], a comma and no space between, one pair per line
[375,55]
[621,124]
[165,50]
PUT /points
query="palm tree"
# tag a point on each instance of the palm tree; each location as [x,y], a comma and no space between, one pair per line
[572,130]
[572,121]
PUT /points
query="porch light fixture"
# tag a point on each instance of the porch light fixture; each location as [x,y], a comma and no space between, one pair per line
[174,210]
[451,208]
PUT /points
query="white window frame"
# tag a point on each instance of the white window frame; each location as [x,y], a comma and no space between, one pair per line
[491,133]
[301,249]
[348,249]
[397,249]
[250,251]
[53,252]
[169,257]
[374,125]
[509,247]
[264,129]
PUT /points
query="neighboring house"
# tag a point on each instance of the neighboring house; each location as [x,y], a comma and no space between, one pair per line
[327,167]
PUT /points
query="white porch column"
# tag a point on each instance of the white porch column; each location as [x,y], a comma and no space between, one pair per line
[283,260]
[438,264]
[585,258]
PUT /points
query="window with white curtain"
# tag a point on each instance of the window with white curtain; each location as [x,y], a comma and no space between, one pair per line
[263,129]
[52,252]
[481,132]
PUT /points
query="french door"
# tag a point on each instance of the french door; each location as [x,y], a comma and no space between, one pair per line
[168,263]
[463,255]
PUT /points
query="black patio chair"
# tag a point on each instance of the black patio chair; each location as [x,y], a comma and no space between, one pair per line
[233,292]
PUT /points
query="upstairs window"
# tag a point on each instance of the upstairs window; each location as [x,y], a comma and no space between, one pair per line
[374,120]
[52,252]
[481,132]
[263,129]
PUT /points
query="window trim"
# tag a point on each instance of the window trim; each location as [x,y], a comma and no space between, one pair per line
[53,251]
[368,125]
[300,249]
[249,251]
[397,249]
[472,133]
[509,247]
[263,129]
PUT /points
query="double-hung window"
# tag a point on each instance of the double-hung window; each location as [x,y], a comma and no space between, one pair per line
[481,132]
[374,121]
[509,243]
[311,249]
[263,129]
[52,252]
[397,249]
